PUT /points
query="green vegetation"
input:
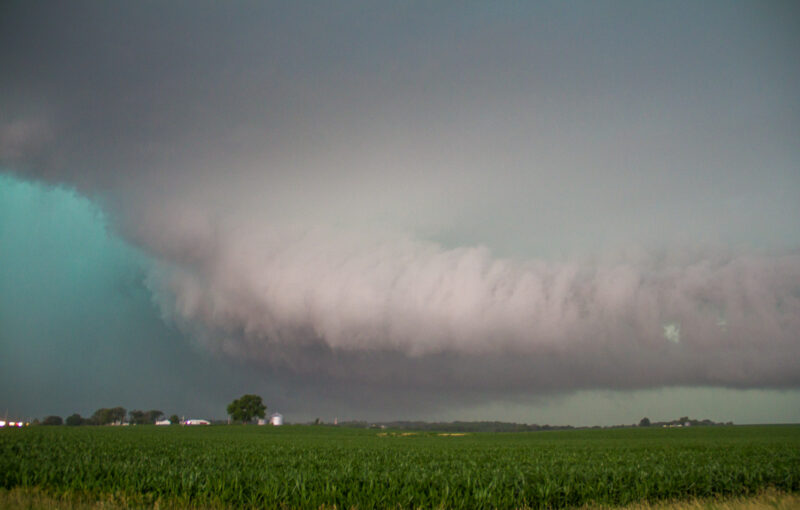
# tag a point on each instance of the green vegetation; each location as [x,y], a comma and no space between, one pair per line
[52,420]
[145,417]
[106,416]
[247,407]
[312,467]
[74,420]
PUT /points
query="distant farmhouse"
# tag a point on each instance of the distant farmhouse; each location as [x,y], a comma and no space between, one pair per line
[197,422]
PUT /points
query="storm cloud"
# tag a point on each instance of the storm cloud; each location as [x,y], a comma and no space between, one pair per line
[489,200]
[316,300]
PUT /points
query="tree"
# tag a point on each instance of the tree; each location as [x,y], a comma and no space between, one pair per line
[101,417]
[145,417]
[247,407]
[153,415]
[74,420]
[118,414]
[644,422]
[137,417]
[174,419]
[104,416]
[53,420]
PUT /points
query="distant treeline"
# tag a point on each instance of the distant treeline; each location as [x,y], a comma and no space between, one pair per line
[109,416]
[683,421]
[116,416]
[500,426]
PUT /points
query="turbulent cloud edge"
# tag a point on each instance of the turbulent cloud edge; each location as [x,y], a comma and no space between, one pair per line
[713,317]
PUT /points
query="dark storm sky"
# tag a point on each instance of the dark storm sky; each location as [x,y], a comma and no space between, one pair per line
[400,208]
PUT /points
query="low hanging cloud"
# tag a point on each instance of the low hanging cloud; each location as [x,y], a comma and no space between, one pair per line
[387,308]
[277,271]
[356,307]
[390,201]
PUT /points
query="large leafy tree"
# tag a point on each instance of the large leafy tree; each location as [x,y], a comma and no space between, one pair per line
[154,415]
[247,407]
[75,420]
[137,417]
[104,416]
[52,420]
[145,417]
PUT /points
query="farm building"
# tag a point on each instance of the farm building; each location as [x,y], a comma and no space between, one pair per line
[276,419]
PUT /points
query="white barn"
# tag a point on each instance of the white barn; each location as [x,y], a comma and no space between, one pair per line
[276,419]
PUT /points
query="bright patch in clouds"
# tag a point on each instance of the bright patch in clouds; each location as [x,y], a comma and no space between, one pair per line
[672,332]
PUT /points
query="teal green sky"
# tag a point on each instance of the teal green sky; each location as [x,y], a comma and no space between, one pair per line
[78,329]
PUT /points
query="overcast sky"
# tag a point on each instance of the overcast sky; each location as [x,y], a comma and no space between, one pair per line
[556,212]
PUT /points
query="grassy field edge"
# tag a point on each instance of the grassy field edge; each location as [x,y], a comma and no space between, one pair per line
[25,498]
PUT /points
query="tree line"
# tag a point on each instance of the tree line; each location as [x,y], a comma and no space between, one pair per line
[111,416]
[243,410]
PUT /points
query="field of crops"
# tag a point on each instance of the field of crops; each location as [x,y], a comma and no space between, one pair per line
[310,467]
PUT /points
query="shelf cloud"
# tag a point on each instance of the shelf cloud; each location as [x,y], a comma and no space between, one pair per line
[314,300]
[465,202]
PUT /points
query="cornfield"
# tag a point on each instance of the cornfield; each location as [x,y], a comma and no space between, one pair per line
[313,467]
